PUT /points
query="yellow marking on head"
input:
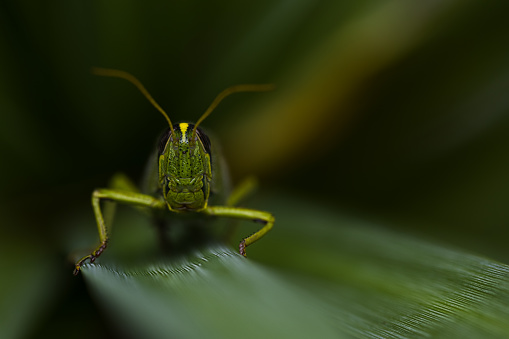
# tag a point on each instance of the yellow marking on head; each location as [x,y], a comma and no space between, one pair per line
[183,128]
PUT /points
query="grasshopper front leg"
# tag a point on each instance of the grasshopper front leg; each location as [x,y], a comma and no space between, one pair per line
[243,213]
[127,197]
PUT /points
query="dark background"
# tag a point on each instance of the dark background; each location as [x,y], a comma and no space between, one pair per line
[397,111]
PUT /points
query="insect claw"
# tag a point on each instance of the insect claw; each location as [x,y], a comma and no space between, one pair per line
[76,270]
[77,267]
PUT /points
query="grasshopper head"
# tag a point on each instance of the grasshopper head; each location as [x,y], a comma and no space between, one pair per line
[184,167]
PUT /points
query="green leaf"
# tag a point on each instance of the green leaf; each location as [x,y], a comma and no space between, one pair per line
[318,274]
[214,294]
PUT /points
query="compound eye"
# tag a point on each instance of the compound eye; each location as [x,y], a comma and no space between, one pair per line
[204,139]
[164,140]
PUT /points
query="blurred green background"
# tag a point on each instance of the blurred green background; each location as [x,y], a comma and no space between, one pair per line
[395,111]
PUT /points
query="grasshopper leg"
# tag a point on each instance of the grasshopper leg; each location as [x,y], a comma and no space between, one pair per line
[264,218]
[239,193]
[92,256]
[126,197]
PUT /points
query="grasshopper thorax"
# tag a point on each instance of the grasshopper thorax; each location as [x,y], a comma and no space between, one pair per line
[185,168]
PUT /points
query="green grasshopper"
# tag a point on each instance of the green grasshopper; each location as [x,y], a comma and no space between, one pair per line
[185,175]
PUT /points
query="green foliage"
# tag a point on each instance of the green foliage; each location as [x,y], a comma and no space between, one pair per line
[332,276]
[215,294]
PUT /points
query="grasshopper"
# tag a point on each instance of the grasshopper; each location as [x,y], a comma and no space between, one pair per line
[185,175]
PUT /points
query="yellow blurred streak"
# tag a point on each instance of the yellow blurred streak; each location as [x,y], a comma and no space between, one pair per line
[310,107]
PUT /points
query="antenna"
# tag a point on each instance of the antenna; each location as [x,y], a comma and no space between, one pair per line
[227,92]
[107,72]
